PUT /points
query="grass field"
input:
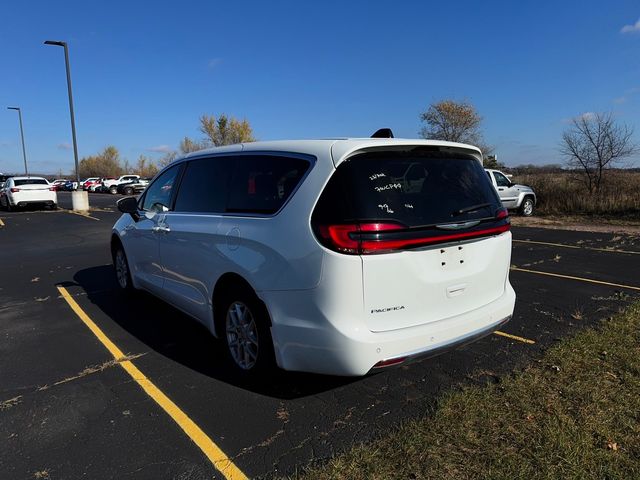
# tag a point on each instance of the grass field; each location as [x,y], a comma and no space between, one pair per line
[575,414]
[562,193]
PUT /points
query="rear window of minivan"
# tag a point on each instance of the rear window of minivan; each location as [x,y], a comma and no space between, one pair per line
[414,188]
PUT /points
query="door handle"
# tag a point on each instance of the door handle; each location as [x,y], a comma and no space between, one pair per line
[501,189]
[160,229]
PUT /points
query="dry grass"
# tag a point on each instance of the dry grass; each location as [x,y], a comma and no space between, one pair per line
[563,193]
[574,415]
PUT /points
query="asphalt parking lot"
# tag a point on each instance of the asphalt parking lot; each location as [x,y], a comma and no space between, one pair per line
[68,409]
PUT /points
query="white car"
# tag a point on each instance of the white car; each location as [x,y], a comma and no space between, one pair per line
[112,185]
[23,191]
[330,256]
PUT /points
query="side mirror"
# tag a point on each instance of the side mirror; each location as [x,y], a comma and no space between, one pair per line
[129,205]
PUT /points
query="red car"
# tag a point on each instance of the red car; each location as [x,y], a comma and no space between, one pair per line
[88,182]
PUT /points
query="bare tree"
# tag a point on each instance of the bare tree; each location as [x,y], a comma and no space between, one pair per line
[145,167]
[223,130]
[106,163]
[166,159]
[454,122]
[187,145]
[595,143]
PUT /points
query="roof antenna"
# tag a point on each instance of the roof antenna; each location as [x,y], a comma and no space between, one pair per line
[383,133]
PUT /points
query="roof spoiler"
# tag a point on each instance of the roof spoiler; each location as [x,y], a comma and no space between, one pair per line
[383,133]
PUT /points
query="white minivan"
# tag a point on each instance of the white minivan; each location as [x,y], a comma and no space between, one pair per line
[330,256]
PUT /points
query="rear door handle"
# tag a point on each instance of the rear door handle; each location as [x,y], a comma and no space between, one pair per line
[160,229]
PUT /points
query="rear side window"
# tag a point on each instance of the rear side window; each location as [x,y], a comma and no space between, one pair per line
[31,181]
[204,185]
[262,183]
[413,188]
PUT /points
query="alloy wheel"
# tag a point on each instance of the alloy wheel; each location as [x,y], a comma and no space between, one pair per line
[242,335]
[122,270]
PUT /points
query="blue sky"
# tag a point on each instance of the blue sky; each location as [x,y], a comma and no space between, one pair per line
[143,74]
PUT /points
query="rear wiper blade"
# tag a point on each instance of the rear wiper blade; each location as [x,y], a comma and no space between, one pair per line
[472,208]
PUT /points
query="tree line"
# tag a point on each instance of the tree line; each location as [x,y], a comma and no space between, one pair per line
[223,130]
[593,144]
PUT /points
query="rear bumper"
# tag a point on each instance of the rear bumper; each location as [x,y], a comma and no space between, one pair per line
[432,352]
[17,200]
[306,340]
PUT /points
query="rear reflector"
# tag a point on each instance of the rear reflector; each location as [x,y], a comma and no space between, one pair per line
[389,363]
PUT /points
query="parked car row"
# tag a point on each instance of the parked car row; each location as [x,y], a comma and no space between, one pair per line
[126,184]
[22,191]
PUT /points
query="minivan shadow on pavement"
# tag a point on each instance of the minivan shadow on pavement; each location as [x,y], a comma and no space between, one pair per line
[182,339]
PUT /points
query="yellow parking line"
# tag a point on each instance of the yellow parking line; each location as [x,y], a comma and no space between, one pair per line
[578,247]
[514,337]
[217,457]
[588,280]
[85,215]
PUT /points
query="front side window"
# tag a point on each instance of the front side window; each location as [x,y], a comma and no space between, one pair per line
[204,185]
[158,196]
[501,180]
[262,183]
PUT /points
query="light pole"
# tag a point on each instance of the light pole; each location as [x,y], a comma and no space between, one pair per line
[80,201]
[24,151]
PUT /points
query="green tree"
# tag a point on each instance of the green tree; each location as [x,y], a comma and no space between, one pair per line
[491,161]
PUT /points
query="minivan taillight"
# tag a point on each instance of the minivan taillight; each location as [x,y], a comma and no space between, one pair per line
[502,213]
[348,238]
[369,238]
[14,190]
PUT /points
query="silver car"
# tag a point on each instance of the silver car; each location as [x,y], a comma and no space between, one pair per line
[513,196]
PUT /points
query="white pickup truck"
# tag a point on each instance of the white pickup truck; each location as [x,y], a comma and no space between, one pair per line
[112,185]
[513,196]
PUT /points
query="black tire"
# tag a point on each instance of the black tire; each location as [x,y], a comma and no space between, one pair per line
[122,271]
[251,354]
[527,207]
[113,190]
[128,191]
